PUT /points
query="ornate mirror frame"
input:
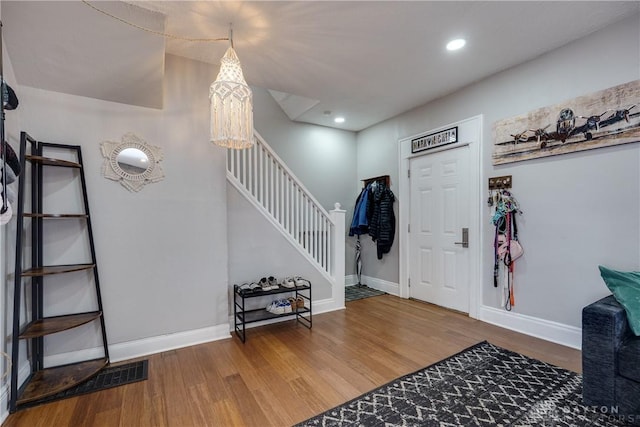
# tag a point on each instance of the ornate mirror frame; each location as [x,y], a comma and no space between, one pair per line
[132,182]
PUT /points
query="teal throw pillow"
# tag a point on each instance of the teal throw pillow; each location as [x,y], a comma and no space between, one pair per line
[625,287]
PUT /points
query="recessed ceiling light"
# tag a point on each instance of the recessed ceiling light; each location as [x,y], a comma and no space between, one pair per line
[339,120]
[456,44]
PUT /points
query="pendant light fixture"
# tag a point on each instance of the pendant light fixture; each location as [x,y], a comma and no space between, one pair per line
[231,104]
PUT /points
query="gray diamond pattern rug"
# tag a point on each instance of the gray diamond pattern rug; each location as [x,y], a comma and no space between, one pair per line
[484,385]
[356,292]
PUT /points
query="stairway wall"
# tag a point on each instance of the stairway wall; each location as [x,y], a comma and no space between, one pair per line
[322,158]
[258,249]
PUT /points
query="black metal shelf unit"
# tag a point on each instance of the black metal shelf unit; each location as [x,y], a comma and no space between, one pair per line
[29,279]
[242,316]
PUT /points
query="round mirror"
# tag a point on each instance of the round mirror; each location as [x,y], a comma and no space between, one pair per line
[133,161]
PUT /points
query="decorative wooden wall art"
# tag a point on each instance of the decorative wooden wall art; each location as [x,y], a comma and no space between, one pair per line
[601,119]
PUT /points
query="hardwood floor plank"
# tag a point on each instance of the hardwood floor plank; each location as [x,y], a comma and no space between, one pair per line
[136,405]
[108,418]
[251,412]
[286,373]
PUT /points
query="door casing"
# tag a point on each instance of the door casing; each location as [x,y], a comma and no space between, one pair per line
[469,133]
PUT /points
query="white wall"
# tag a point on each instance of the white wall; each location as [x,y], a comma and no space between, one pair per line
[161,252]
[580,209]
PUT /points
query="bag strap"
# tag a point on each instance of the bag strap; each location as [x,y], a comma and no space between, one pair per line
[496,258]
[507,255]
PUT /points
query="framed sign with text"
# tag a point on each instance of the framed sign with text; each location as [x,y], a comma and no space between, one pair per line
[433,140]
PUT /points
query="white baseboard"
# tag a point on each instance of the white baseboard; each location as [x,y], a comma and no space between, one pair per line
[144,347]
[325,306]
[4,403]
[372,282]
[559,333]
[350,280]
[23,374]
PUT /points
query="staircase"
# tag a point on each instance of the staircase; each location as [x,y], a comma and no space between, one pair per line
[268,184]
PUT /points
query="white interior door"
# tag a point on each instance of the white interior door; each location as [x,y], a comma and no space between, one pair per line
[439,199]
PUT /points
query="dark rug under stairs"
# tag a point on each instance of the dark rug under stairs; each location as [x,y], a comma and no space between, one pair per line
[356,292]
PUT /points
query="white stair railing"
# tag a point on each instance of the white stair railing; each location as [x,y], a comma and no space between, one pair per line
[268,183]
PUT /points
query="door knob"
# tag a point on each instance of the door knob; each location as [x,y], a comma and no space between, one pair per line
[465,238]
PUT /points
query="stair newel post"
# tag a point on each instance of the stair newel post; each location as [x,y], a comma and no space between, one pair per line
[338,239]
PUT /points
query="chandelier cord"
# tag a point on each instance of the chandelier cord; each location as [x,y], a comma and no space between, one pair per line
[159,33]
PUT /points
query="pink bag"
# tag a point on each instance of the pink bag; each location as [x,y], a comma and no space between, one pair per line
[515,249]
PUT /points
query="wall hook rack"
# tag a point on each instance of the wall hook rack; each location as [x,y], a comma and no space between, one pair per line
[500,182]
[381,178]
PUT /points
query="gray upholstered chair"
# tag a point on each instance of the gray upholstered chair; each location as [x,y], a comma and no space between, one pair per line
[610,359]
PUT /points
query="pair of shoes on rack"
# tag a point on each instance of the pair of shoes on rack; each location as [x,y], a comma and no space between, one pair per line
[288,282]
[269,284]
[301,281]
[296,304]
[293,282]
[248,288]
[280,306]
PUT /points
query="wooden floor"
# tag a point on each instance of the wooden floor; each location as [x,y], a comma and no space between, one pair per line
[286,373]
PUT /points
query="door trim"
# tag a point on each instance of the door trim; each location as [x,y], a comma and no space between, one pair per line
[469,133]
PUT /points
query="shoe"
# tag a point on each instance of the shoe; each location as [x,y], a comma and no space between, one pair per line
[279,307]
[288,308]
[255,287]
[273,283]
[264,284]
[271,306]
[244,289]
[300,303]
[288,282]
[301,281]
[296,304]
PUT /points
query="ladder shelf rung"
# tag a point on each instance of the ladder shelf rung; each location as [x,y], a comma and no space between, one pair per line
[56,269]
[50,381]
[52,325]
[52,162]
[55,216]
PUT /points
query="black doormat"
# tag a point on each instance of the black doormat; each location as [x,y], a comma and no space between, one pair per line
[356,292]
[110,376]
[483,385]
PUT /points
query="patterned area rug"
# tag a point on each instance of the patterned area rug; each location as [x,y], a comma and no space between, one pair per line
[356,292]
[483,385]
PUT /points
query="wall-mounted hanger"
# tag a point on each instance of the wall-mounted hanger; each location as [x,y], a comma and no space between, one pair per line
[500,182]
[385,179]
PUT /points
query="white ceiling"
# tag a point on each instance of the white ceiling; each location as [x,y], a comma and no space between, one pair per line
[366,61]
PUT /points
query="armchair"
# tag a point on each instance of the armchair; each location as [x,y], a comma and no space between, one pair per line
[610,359]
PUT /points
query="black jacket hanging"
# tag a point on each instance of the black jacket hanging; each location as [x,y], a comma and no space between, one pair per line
[382,220]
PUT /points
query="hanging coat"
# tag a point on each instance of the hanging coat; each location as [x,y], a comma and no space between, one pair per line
[382,221]
[360,223]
